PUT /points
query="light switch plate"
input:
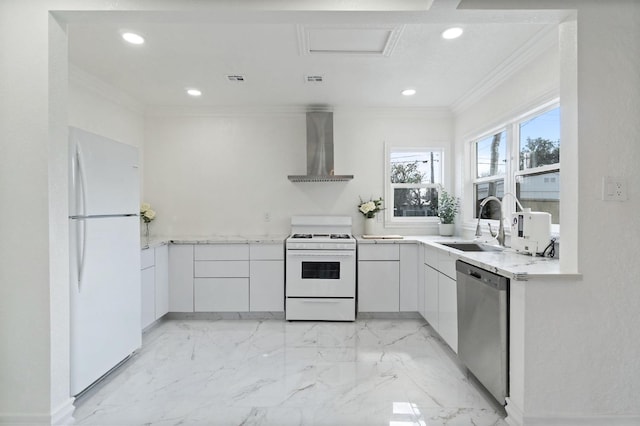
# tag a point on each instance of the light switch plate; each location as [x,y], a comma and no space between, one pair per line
[614,189]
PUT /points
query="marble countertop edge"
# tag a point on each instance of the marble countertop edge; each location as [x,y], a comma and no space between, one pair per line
[508,263]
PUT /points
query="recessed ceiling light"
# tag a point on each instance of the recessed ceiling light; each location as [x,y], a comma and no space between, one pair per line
[409,92]
[194,92]
[133,38]
[452,33]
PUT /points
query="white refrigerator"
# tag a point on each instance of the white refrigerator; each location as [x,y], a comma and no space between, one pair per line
[104,197]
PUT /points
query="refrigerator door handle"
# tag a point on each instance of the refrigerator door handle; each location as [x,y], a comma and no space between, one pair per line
[81,248]
[83,182]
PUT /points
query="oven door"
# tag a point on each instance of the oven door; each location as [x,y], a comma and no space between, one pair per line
[321,273]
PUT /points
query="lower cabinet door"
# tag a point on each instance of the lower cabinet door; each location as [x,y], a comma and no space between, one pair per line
[378,286]
[221,294]
[431,297]
[448,310]
[148,286]
[266,292]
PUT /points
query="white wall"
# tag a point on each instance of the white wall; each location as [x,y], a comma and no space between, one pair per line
[103,109]
[581,338]
[220,173]
[585,344]
[534,84]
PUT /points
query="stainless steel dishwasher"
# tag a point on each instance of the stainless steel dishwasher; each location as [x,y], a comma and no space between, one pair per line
[483,327]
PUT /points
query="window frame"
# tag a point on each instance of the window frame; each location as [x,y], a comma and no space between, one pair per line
[513,172]
[409,221]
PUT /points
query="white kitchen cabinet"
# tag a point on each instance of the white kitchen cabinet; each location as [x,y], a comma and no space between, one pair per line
[378,286]
[378,252]
[440,294]
[448,311]
[154,284]
[221,278]
[181,277]
[378,278]
[238,251]
[266,291]
[408,277]
[221,294]
[431,296]
[266,279]
[221,268]
[148,288]
[162,280]
[421,281]
[266,251]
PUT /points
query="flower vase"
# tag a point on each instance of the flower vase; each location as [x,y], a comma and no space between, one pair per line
[369,226]
[146,233]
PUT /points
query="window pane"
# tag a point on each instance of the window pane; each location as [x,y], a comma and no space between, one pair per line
[540,140]
[414,202]
[416,167]
[541,193]
[491,155]
[482,190]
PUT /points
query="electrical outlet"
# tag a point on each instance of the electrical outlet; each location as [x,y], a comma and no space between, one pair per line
[614,189]
[267,217]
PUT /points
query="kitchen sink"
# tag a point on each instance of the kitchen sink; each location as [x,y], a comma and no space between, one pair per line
[472,246]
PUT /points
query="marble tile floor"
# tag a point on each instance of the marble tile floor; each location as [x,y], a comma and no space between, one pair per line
[273,372]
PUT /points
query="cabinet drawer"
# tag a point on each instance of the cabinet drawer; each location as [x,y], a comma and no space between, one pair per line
[431,256]
[447,263]
[221,252]
[378,252]
[221,294]
[221,268]
[321,309]
[147,258]
[264,251]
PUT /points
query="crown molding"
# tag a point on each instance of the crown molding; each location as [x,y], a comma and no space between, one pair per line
[105,90]
[227,111]
[541,42]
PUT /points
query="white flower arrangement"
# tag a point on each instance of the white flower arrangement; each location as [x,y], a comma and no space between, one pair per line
[370,208]
[146,214]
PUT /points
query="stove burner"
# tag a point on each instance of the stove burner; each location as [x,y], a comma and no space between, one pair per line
[340,236]
[330,236]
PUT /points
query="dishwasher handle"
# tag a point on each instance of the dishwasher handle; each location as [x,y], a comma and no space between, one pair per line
[485,277]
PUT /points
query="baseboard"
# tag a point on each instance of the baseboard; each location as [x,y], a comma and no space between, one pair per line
[388,315]
[216,316]
[515,417]
[514,414]
[61,416]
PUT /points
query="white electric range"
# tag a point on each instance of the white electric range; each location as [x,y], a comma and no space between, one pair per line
[321,269]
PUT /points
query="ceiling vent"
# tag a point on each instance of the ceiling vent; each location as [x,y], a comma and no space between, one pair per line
[235,77]
[314,79]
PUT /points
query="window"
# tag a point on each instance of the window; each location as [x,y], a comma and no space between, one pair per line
[538,176]
[413,178]
[523,159]
[491,167]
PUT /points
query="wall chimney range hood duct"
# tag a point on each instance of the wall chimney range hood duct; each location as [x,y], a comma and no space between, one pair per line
[320,150]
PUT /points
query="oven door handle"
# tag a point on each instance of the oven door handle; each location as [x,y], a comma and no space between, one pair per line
[320,253]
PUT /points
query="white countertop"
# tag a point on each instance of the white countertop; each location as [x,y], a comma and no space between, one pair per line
[228,239]
[508,262]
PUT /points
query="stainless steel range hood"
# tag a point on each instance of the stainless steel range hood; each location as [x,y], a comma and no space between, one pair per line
[320,150]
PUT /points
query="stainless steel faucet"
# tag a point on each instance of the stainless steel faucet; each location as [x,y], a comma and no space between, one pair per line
[500,234]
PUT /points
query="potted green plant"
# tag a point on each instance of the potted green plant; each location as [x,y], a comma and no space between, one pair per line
[448,207]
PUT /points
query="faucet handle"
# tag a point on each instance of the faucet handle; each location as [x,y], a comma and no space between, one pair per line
[491,231]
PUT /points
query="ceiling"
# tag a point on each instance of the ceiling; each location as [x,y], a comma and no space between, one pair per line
[365,58]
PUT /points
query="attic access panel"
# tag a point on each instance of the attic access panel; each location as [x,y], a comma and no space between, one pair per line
[377,41]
